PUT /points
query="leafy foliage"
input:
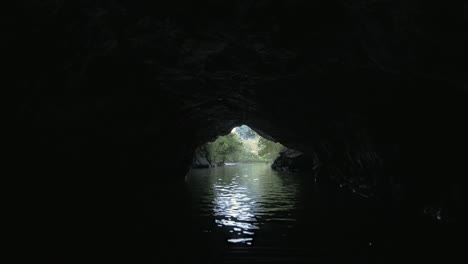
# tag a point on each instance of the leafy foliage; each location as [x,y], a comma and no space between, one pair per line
[269,150]
[235,148]
[224,148]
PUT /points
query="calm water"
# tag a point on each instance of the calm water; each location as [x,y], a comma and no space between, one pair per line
[251,213]
[238,203]
[266,213]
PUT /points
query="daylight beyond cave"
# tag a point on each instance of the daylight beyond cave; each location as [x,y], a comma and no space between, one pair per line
[241,145]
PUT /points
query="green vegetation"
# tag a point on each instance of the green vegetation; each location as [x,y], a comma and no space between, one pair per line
[269,150]
[236,147]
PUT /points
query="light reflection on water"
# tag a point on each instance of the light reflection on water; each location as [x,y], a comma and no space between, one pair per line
[241,199]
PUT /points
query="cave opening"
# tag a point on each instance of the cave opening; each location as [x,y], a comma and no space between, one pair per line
[236,172]
[241,145]
[372,93]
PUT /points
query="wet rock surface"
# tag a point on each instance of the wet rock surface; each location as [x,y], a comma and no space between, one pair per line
[200,160]
[292,160]
[114,97]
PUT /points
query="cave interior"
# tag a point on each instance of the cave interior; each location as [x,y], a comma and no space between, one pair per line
[116,95]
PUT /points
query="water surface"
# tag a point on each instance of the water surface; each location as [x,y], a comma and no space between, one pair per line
[251,213]
[240,201]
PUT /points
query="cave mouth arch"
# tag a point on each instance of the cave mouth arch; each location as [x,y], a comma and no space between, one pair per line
[241,145]
[372,92]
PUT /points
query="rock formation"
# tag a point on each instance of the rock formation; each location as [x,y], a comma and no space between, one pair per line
[114,97]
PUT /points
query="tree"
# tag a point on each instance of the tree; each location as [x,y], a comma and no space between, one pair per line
[232,148]
[269,150]
[224,148]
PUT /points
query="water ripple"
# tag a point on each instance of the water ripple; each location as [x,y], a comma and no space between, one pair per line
[241,205]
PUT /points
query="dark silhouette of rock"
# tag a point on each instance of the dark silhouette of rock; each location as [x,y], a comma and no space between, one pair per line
[114,97]
[220,164]
[292,160]
[200,162]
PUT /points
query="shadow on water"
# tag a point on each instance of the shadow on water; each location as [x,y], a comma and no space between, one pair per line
[249,212]
[250,207]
